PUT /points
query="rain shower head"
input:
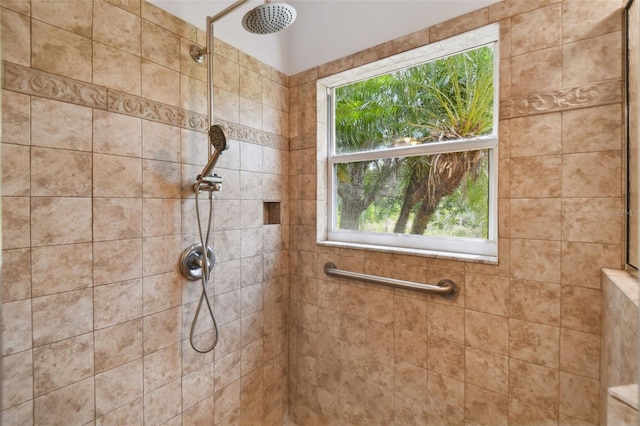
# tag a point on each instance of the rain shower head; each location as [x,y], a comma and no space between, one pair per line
[269,18]
[218,140]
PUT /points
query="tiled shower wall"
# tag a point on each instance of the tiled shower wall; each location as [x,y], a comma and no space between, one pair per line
[521,345]
[103,133]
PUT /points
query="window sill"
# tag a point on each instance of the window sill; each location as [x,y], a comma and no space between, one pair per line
[489,260]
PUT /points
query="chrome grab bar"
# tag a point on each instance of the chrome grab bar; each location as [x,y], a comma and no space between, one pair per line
[445,288]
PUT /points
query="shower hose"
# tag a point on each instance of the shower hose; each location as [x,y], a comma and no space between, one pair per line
[204,242]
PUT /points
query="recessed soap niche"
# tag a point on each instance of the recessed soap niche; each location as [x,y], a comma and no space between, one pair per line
[272,213]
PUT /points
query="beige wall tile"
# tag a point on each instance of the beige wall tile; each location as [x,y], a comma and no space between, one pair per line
[57,269]
[580,309]
[445,357]
[458,25]
[409,410]
[116,27]
[486,370]
[117,345]
[116,134]
[509,8]
[485,407]
[534,384]
[118,387]
[61,316]
[161,141]
[16,283]
[445,399]
[161,367]
[580,353]
[596,59]
[60,173]
[16,170]
[16,211]
[228,400]
[160,83]
[132,6]
[594,220]
[581,21]
[161,292]
[161,330]
[198,386]
[535,177]
[592,129]
[116,218]
[597,174]
[117,303]
[535,343]
[74,16]
[160,254]
[539,218]
[129,413]
[526,33]
[161,46]
[166,20]
[579,397]
[446,322]
[118,260]
[17,48]
[226,74]
[411,381]
[250,113]
[74,403]
[487,332]
[251,84]
[523,413]
[60,220]
[17,379]
[128,170]
[62,363]
[526,71]
[60,125]
[74,52]
[16,327]
[116,69]
[19,414]
[16,118]
[544,129]
[487,293]
[160,217]
[535,260]
[582,262]
[535,301]
[228,106]
[193,96]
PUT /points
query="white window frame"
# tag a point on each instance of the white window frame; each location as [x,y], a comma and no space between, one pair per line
[448,247]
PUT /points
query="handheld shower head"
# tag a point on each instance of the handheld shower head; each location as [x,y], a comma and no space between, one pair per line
[218,140]
[269,18]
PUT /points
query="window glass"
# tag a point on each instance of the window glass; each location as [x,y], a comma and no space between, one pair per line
[411,155]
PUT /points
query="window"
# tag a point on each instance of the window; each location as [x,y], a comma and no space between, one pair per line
[412,151]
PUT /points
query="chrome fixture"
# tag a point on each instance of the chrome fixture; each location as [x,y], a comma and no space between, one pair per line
[197,260]
[269,18]
[445,288]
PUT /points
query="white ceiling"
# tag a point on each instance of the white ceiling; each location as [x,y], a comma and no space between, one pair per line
[324,30]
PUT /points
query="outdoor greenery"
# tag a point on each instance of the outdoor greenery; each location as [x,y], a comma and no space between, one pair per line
[444,194]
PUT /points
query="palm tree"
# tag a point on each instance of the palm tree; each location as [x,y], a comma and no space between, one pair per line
[462,87]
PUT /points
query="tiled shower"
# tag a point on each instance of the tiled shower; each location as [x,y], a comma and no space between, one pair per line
[103,130]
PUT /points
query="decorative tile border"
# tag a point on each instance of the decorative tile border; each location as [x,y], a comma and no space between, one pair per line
[39,83]
[587,95]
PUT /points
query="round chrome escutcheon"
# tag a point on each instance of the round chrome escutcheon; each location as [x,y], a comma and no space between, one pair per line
[192,260]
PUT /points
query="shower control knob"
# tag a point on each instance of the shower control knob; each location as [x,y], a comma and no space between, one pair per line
[192,261]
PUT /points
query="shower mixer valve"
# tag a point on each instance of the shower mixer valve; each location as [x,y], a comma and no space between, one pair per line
[208,183]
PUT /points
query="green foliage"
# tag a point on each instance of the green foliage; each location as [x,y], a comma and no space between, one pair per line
[446,99]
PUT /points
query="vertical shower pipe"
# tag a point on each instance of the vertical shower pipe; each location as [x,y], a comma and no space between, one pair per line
[209,52]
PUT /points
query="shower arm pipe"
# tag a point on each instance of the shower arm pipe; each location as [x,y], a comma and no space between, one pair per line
[209,52]
[445,288]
